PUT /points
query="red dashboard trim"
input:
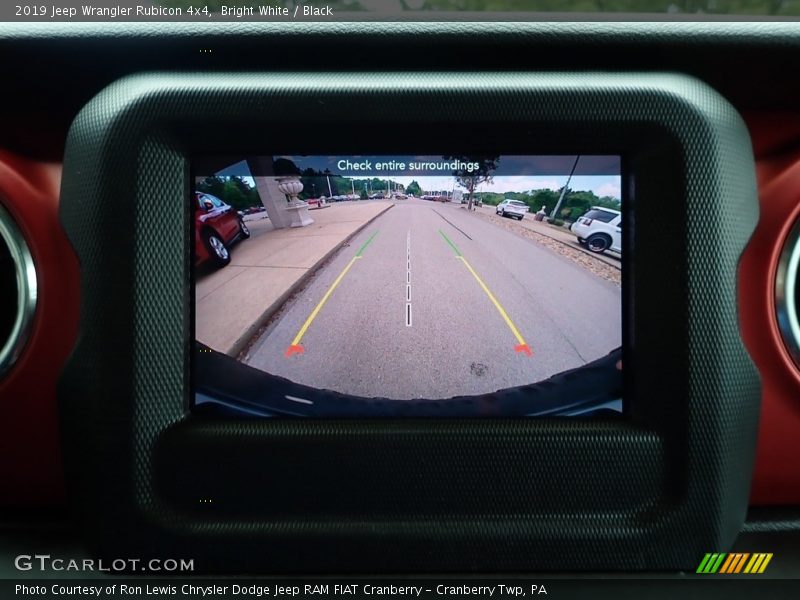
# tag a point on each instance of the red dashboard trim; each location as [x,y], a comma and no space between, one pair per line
[776,142]
[29,189]
[32,471]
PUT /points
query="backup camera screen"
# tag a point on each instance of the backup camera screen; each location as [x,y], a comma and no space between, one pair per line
[397,285]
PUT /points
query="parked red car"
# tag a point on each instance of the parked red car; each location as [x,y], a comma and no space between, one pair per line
[216,227]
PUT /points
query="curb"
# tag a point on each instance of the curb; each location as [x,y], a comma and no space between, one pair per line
[580,248]
[245,340]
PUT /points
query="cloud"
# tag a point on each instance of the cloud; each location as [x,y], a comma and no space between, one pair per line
[512,183]
[609,189]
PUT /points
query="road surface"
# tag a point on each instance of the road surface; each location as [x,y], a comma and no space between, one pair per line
[429,301]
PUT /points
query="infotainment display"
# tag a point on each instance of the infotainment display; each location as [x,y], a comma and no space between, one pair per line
[362,280]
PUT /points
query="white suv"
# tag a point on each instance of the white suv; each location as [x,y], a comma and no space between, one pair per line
[600,229]
[512,208]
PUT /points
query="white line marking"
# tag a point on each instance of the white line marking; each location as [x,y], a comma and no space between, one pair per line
[408,279]
[300,400]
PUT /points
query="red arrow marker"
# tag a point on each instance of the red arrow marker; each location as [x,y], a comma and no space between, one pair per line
[523,348]
[295,349]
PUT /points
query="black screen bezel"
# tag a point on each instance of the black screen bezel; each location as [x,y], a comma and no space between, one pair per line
[654,490]
[191,343]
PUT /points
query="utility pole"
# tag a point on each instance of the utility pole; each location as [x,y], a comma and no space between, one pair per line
[564,190]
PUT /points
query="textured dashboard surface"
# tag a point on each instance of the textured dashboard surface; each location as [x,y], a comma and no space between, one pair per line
[696,33]
[693,428]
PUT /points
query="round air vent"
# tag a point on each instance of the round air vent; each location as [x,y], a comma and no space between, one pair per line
[787,293]
[18,285]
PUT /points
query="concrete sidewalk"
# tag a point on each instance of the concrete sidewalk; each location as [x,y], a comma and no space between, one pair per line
[232,303]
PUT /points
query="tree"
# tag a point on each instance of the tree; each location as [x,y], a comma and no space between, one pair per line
[376,184]
[577,203]
[231,190]
[413,188]
[483,167]
[234,196]
[491,198]
[546,197]
[212,185]
[609,202]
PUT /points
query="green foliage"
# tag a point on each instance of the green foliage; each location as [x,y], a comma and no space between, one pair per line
[321,183]
[414,188]
[231,190]
[575,203]
[315,184]
[233,195]
[608,202]
[490,198]
[471,179]
[212,185]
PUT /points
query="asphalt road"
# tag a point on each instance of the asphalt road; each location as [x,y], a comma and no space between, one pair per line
[429,301]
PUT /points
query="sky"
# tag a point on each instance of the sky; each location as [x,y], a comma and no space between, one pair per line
[601,185]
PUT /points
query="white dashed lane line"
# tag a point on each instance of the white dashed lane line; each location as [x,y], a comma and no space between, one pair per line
[408,279]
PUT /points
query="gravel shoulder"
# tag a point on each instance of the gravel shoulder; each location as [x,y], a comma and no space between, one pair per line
[585,260]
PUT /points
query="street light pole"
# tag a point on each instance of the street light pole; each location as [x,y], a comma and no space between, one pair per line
[564,189]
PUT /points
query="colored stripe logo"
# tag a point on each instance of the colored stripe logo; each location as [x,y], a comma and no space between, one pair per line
[734,563]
